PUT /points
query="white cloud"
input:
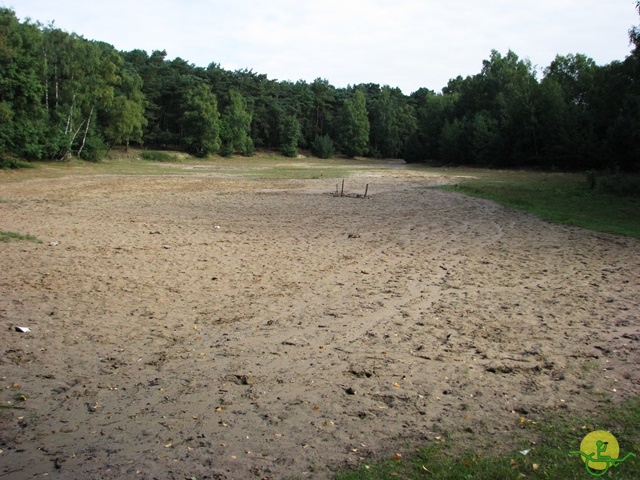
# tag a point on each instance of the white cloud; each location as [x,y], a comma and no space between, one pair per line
[405,43]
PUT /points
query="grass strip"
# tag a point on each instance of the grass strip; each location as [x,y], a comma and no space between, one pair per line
[155,156]
[547,444]
[559,198]
[6,236]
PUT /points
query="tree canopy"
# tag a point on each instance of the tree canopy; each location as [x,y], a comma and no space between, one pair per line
[62,95]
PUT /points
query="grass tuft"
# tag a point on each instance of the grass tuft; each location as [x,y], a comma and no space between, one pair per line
[7,163]
[6,236]
[155,156]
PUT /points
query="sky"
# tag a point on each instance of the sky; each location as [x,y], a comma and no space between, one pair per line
[408,44]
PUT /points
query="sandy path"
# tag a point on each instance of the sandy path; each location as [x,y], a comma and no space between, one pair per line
[164,347]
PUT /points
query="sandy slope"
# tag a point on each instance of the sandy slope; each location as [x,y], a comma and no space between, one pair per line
[305,333]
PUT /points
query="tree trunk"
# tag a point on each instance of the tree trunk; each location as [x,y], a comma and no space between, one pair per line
[66,153]
[55,75]
[69,124]
[46,79]
[86,130]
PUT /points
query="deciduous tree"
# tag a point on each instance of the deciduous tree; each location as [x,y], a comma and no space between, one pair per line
[289,136]
[201,122]
[236,125]
[353,125]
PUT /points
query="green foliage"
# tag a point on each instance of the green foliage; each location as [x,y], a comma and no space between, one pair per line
[155,156]
[126,119]
[432,112]
[320,111]
[249,147]
[94,149]
[80,82]
[392,121]
[62,95]
[22,115]
[7,163]
[289,136]
[353,125]
[201,122]
[323,147]
[235,127]
[453,142]
[6,236]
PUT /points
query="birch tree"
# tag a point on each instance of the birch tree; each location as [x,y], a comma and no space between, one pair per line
[126,120]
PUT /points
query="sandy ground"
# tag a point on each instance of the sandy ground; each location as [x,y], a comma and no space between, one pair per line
[213,327]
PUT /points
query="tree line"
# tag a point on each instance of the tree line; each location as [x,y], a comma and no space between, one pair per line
[62,95]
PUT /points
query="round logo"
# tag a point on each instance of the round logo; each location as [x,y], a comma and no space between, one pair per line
[599,448]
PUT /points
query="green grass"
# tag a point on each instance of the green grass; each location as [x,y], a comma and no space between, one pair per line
[12,163]
[558,197]
[6,236]
[549,442]
[264,165]
[156,156]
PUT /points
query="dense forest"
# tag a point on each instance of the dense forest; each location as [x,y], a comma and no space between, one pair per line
[62,95]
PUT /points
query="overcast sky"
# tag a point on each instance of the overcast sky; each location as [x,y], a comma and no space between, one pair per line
[401,43]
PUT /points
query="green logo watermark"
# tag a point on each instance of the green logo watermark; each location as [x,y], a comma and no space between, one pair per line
[600,451]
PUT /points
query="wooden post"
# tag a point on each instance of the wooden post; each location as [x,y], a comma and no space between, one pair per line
[366,190]
[342,191]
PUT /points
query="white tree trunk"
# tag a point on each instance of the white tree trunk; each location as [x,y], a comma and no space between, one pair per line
[46,79]
[69,124]
[66,154]
[55,75]
[86,130]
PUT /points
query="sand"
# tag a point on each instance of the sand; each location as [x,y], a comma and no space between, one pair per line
[216,327]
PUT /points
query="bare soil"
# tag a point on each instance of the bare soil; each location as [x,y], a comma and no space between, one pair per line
[214,327]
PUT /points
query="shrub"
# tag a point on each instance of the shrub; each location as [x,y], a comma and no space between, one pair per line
[249,148]
[613,182]
[155,156]
[619,184]
[12,163]
[323,147]
[94,149]
[289,134]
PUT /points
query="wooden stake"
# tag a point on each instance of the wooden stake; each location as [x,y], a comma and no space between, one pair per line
[366,190]
[342,191]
